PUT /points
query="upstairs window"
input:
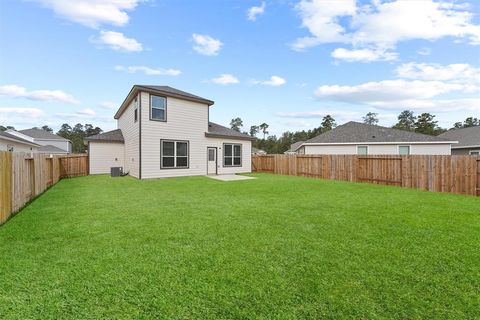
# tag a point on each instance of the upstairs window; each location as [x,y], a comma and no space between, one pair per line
[158,108]
[173,154]
[232,155]
[362,150]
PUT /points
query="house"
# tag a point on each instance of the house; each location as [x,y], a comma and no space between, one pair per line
[359,138]
[468,140]
[165,132]
[258,152]
[53,143]
[294,147]
[10,142]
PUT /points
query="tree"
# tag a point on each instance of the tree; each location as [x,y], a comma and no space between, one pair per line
[426,124]
[264,128]
[471,122]
[91,131]
[236,124]
[254,130]
[370,118]
[328,123]
[65,131]
[406,121]
[47,128]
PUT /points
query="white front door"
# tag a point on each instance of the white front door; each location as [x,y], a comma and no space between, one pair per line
[211,160]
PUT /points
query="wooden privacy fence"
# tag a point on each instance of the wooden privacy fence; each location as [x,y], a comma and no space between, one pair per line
[24,176]
[455,174]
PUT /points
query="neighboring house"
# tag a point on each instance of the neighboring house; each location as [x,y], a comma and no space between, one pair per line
[359,138]
[468,140]
[165,132]
[44,138]
[258,152]
[51,150]
[12,143]
[294,147]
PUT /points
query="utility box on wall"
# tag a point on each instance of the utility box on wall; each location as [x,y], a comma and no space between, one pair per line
[116,171]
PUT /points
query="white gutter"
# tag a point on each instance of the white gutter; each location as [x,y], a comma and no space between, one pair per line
[366,143]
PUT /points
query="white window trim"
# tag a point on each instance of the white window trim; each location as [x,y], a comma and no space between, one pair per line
[174,154]
[164,109]
[470,152]
[233,155]
[404,145]
[362,154]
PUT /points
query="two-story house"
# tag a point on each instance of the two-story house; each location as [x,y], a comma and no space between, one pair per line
[165,132]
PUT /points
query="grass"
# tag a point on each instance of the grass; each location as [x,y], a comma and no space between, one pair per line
[272,248]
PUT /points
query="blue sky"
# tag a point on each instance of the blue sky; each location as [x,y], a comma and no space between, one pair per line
[286,63]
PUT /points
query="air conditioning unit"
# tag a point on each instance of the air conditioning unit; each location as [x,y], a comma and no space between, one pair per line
[116,171]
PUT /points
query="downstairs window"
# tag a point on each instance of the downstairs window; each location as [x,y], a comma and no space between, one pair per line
[174,154]
[232,155]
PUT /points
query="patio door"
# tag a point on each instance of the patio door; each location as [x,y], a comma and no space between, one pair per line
[211,160]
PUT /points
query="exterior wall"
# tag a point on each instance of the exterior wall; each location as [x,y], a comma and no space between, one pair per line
[246,155]
[17,146]
[131,130]
[465,151]
[62,144]
[104,155]
[415,149]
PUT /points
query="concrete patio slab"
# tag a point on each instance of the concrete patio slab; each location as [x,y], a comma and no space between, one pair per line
[230,177]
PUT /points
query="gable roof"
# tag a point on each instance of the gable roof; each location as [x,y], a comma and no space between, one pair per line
[161,90]
[217,131]
[295,146]
[355,132]
[109,136]
[466,137]
[41,134]
[51,149]
[11,137]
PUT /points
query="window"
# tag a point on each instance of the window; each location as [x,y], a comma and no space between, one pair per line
[475,152]
[403,150]
[10,147]
[362,149]
[158,108]
[232,155]
[173,154]
[211,155]
[135,115]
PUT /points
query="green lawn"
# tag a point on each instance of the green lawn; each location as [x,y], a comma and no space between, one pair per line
[272,248]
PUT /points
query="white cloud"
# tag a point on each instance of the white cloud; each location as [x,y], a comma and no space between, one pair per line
[424,51]
[319,114]
[206,45]
[22,112]
[118,41]
[387,90]
[149,71]
[274,81]
[84,114]
[383,24]
[109,105]
[225,79]
[470,105]
[92,13]
[16,91]
[363,55]
[254,11]
[431,71]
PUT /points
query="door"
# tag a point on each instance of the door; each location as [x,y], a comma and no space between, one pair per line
[211,160]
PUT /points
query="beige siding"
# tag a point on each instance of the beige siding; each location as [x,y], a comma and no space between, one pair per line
[246,155]
[130,131]
[17,146]
[418,149]
[104,155]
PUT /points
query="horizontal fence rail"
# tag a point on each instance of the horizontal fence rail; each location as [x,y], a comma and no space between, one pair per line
[454,174]
[24,176]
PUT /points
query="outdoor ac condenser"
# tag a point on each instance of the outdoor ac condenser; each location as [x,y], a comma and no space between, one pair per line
[116,171]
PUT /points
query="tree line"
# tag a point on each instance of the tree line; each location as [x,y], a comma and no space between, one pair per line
[76,134]
[423,123]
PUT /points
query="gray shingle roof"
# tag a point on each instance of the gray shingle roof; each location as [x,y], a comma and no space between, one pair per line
[41,134]
[216,130]
[109,136]
[363,133]
[466,137]
[12,137]
[169,90]
[295,146]
[51,149]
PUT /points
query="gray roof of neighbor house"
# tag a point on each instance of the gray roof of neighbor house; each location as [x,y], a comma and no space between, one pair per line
[51,149]
[295,146]
[161,90]
[466,137]
[216,130]
[351,132]
[41,134]
[9,136]
[109,136]
[255,150]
